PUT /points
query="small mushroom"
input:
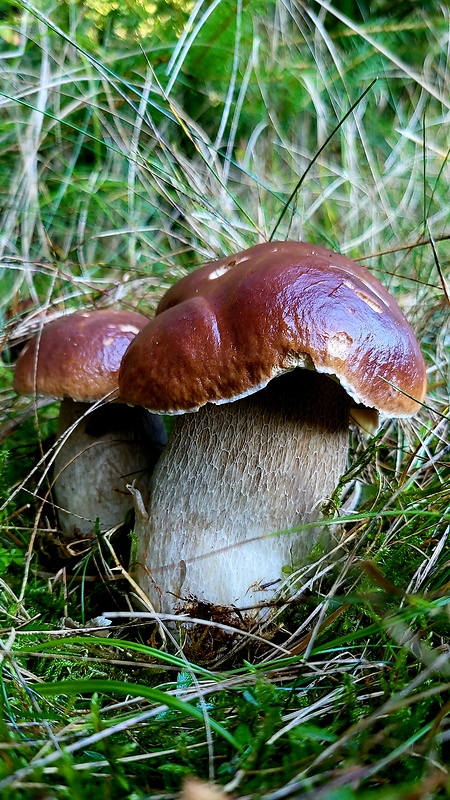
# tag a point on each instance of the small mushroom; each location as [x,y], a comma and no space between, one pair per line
[76,358]
[272,348]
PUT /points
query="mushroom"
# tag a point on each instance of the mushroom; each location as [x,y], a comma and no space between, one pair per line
[76,358]
[272,348]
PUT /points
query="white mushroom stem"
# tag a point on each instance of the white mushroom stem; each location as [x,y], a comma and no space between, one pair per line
[109,447]
[231,476]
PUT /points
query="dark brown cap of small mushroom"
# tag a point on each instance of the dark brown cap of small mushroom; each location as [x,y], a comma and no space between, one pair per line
[77,355]
[228,328]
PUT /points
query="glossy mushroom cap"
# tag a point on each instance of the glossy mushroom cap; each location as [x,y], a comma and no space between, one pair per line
[77,355]
[227,329]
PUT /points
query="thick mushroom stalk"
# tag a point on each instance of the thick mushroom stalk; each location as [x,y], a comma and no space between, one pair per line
[108,447]
[232,477]
[267,350]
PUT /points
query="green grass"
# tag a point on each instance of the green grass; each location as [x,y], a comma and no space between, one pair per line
[135,145]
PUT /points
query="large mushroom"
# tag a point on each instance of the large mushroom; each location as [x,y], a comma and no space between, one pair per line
[272,348]
[76,358]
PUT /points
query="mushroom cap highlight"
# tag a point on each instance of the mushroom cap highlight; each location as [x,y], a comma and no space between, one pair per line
[228,328]
[77,355]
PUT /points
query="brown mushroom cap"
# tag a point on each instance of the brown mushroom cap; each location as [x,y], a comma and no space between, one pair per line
[228,328]
[77,355]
